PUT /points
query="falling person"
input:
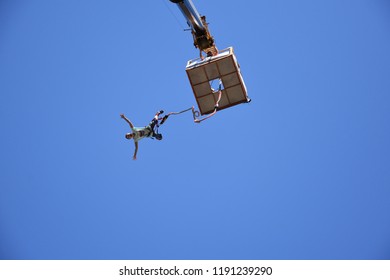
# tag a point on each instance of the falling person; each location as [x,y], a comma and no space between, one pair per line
[139,133]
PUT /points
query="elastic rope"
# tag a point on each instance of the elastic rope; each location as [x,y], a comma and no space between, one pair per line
[177,113]
[163,119]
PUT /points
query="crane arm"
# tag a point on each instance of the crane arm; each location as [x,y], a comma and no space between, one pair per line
[201,35]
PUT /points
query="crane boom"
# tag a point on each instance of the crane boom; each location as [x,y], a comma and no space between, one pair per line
[199,28]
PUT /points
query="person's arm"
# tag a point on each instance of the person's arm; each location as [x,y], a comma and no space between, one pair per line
[135,151]
[127,120]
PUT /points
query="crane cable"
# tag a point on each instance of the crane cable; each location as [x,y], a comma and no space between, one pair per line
[174,16]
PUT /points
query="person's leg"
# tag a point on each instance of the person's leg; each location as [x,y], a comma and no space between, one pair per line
[154,121]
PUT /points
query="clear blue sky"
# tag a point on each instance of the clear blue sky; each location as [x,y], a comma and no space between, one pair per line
[301,172]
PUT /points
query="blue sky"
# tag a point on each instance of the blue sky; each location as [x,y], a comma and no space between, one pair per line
[301,172]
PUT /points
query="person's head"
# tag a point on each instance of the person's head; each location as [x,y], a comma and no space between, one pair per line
[158,136]
[129,135]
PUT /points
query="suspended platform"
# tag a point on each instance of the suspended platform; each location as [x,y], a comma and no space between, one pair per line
[205,76]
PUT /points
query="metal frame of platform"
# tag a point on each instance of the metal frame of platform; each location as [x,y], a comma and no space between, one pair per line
[205,74]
